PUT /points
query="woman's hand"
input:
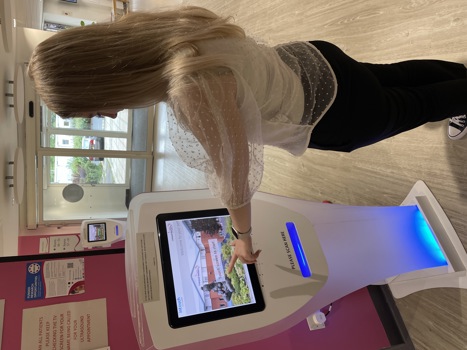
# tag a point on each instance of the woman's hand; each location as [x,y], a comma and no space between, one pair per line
[243,250]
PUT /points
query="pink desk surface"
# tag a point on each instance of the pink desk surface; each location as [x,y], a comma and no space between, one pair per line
[353,323]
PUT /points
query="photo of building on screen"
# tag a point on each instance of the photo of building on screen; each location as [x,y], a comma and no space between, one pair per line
[212,236]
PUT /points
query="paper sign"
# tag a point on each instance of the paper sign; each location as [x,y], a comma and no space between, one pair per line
[148,284]
[60,244]
[43,245]
[68,243]
[54,278]
[68,326]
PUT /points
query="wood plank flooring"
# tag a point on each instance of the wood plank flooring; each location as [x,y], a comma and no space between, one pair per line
[379,32]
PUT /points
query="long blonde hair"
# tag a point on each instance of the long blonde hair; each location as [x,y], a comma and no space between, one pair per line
[130,63]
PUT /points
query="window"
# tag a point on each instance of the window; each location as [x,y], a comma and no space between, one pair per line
[100,157]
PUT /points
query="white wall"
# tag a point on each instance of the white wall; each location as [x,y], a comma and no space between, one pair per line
[89,11]
[56,11]
[147,5]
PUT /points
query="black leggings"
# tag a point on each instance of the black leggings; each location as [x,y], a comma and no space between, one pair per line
[377,101]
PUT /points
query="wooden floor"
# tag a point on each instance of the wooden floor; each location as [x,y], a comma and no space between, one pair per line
[377,31]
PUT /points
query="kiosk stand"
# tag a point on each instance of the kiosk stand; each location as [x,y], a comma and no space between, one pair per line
[313,254]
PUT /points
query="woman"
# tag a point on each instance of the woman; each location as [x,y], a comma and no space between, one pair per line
[229,96]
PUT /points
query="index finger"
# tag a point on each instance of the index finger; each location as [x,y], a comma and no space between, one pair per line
[232,263]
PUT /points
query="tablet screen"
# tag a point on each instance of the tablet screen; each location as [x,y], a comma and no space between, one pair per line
[97,232]
[195,253]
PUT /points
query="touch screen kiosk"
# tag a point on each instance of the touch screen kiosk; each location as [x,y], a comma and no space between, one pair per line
[101,232]
[313,254]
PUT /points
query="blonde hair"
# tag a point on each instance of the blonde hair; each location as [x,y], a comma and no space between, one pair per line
[131,63]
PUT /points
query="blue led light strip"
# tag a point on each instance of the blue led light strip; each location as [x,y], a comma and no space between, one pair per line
[427,238]
[298,249]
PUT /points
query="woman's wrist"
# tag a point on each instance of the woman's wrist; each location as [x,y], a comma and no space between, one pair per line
[241,218]
[238,234]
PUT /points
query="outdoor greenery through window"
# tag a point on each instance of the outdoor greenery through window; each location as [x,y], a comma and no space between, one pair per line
[78,169]
[91,135]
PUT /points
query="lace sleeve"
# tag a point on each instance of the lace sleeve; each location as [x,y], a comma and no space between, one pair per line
[212,133]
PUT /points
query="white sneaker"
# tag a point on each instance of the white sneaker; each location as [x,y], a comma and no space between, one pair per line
[457,127]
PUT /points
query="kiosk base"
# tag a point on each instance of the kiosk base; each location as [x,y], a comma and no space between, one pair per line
[455,276]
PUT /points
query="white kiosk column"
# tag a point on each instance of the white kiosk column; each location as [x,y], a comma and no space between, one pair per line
[346,247]
[411,247]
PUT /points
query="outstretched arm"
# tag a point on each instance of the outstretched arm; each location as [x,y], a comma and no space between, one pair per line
[243,246]
[211,113]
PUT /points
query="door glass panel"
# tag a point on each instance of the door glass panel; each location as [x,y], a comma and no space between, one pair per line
[85,168]
[76,188]
[96,133]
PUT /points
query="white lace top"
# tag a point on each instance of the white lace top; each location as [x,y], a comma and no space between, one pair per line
[220,119]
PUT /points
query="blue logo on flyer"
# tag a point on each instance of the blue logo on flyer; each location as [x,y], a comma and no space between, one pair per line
[35,286]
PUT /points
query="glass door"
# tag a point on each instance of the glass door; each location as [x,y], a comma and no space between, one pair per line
[90,168]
